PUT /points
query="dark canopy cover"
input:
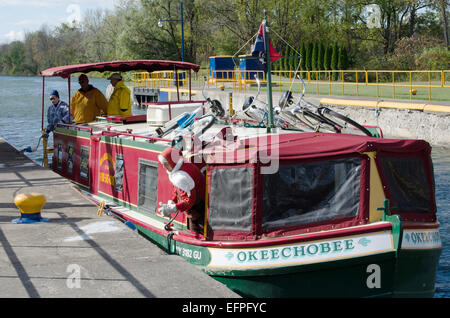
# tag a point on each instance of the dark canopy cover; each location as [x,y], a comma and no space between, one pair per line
[120,66]
[302,194]
[308,145]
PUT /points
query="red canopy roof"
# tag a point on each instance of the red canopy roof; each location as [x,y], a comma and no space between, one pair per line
[120,66]
[308,145]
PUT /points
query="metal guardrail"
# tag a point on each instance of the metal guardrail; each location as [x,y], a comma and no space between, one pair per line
[396,84]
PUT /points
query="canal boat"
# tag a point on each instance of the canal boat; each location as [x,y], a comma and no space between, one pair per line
[287,212]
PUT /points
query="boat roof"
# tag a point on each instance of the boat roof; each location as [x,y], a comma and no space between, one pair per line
[120,66]
[296,146]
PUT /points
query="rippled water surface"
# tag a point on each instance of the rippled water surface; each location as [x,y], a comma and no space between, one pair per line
[20,125]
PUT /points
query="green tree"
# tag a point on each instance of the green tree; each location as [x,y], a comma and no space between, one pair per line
[286,54]
[334,60]
[320,56]
[308,62]
[13,61]
[303,56]
[342,59]
[297,56]
[327,58]
[292,65]
[314,56]
[314,61]
[334,56]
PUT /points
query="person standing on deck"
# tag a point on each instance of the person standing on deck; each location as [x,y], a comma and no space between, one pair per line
[188,189]
[120,101]
[58,112]
[87,102]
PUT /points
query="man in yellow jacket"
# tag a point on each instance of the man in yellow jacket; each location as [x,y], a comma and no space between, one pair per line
[120,101]
[87,102]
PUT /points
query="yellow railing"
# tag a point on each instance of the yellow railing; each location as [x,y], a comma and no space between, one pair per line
[161,79]
[394,84]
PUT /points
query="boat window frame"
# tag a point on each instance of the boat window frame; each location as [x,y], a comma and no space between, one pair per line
[59,155]
[116,160]
[429,174]
[155,165]
[86,148]
[233,234]
[70,158]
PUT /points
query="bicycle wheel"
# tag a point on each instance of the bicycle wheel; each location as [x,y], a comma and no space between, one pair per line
[317,122]
[314,121]
[342,121]
[216,108]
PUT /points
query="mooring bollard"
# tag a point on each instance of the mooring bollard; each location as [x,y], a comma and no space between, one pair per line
[30,206]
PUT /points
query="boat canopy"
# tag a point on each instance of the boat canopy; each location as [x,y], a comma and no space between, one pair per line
[120,66]
[306,145]
[295,183]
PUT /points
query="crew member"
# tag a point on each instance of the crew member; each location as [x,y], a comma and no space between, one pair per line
[120,100]
[87,102]
[58,112]
[188,189]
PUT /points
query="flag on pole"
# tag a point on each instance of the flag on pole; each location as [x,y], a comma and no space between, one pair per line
[259,49]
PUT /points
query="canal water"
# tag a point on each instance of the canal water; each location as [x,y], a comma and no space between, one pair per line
[20,125]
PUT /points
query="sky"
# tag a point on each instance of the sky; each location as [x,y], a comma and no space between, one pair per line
[20,16]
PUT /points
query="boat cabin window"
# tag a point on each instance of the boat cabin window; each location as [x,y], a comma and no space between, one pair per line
[118,175]
[84,162]
[407,183]
[148,185]
[59,155]
[311,192]
[230,199]
[70,159]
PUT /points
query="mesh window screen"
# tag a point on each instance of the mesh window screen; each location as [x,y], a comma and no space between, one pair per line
[407,183]
[311,192]
[230,199]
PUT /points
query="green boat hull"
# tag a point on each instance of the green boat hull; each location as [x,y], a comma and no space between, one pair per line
[412,274]
[406,273]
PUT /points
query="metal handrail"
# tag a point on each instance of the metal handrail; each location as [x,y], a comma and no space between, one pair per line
[240,79]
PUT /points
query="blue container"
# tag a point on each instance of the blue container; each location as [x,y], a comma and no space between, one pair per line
[219,65]
[247,64]
[163,96]
[181,77]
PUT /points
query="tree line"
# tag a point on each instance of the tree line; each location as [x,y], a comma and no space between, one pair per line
[328,34]
[314,56]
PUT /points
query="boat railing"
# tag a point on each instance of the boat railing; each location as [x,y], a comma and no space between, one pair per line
[75,127]
[129,133]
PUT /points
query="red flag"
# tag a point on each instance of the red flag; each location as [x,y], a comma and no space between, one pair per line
[259,46]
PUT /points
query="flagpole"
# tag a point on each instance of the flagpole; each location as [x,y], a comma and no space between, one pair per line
[270,124]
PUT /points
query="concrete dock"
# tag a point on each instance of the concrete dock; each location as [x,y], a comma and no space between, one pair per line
[78,253]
